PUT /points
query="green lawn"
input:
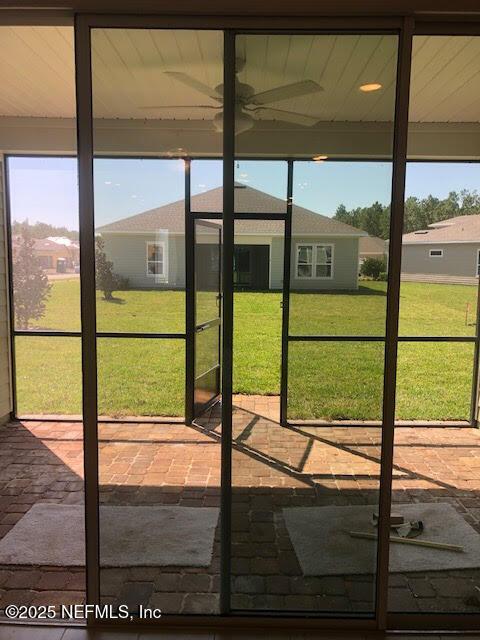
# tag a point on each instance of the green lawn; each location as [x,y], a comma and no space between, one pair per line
[326,380]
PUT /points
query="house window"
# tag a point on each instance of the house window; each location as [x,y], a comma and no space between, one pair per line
[478,262]
[436,253]
[314,260]
[155,259]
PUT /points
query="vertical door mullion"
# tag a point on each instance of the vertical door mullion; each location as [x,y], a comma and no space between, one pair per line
[88,303]
[393,304]
[476,363]
[227,325]
[189,298]
[287,258]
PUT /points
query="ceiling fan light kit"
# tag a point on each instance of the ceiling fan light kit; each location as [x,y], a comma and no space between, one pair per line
[243,121]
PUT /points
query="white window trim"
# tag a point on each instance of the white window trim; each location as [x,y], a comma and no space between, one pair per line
[430,255]
[314,246]
[159,276]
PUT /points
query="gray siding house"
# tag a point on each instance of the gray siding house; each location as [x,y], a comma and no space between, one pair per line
[447,251]
[149,248]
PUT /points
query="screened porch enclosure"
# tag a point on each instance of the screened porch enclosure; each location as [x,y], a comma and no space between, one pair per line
[145,193]
[144,331]
[219,353]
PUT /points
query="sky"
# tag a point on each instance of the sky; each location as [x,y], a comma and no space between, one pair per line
[45,189]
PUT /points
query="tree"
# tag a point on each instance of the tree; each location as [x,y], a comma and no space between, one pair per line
[373,219]
[44,230]
[342,214]
[419,213]
[31,288]
[105,278]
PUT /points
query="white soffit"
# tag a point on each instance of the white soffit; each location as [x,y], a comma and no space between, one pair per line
[445,83]
[37,71]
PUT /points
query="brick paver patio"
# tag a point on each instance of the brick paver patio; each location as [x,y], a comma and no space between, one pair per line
[272,468]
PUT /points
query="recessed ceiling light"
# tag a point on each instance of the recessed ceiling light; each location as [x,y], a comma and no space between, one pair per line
[319,158]
[370,86]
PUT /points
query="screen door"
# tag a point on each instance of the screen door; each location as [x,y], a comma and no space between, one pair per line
[208,237]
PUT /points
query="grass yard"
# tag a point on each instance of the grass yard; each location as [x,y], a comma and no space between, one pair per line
[425,309]
[143,311]
[345,381]
[326,380]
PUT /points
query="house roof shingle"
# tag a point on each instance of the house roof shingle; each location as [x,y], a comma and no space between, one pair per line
[458,229]
[371,244]
[247,200]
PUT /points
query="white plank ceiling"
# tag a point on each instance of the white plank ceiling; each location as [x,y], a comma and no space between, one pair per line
[37,74]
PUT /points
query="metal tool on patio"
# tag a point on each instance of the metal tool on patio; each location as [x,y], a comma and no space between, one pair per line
[421,543]
[406,533]
[403,528]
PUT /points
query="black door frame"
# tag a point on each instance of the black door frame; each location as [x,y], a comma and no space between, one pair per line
[190,312]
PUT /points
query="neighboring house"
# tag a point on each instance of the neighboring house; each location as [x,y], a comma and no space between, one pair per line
[448,251]
[54,253]
[149,248]
[371,247]
[57,253]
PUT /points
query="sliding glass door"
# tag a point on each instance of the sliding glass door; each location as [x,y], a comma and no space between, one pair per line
[304,486]
[154,106]
[246,191]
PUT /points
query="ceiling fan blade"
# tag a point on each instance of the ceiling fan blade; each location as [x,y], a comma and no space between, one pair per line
[294,90]
[195,84]
[266,113]
[179,106]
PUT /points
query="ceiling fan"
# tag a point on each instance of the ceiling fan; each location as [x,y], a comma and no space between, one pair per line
[249,106]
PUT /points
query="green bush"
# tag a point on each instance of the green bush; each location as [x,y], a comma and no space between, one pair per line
[122,283]
[374,268]
[106,280]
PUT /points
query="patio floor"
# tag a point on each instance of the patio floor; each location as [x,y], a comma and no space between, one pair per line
[272,467]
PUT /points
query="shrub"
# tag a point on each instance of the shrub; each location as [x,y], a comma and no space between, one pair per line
[122,282]
[374,268]
[106,280]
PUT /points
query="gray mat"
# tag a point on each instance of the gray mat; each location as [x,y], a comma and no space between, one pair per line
[323,546]
[53,534]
